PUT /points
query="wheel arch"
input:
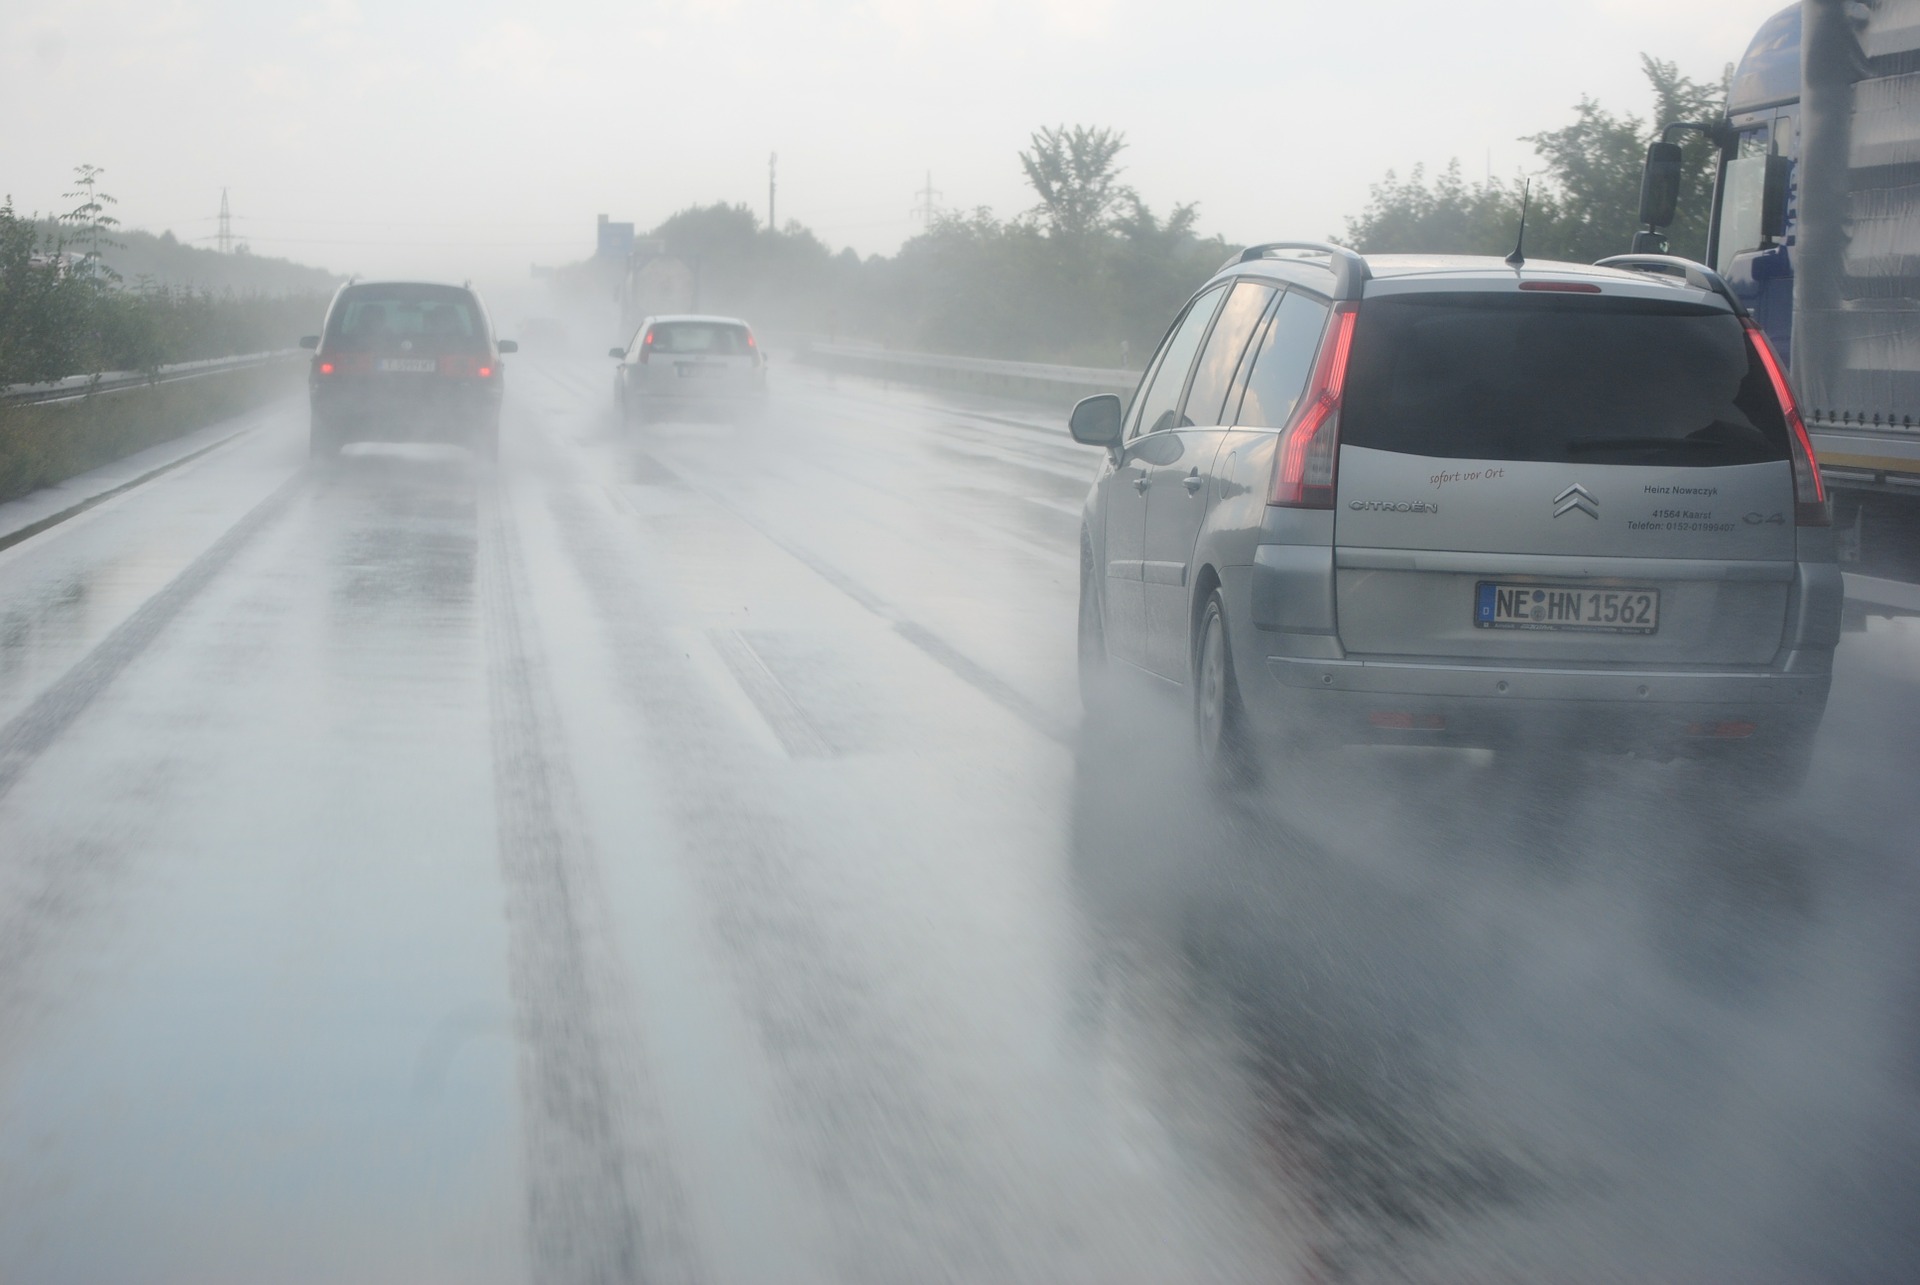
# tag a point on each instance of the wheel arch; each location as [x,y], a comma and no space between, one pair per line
[1205,580]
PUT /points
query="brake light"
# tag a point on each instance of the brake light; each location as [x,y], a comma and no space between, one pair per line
[646,346]
[326,368]
[1809,491]
[1397,721]
[1562,287]
[1303,468]
[1729,731]
[753,349]
[484,371]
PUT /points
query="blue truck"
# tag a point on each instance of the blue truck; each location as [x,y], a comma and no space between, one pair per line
[1816,225]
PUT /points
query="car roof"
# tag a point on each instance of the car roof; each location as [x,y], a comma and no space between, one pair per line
[1410,273]
[697,316]
[360,283]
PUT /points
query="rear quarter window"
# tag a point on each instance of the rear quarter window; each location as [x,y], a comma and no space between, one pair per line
[1558,379]
[711,338]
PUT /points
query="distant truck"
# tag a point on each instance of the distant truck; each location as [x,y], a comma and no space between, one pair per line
[654,284]
[1816,226]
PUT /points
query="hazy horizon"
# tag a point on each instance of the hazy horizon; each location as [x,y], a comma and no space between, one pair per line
[478,141]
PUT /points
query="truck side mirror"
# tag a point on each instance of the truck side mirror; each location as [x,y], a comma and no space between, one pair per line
[1096,420]
[1773,199]
[1660,184]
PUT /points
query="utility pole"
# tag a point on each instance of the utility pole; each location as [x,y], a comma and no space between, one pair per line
[773,158]
[225,238]
[924,209]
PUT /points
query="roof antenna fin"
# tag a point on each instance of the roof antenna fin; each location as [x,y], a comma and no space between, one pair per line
[1519,256]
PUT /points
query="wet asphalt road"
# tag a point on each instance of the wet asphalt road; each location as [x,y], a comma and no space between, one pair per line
[680,857]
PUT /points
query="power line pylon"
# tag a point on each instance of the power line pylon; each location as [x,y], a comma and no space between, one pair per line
[925,209]
[225,238]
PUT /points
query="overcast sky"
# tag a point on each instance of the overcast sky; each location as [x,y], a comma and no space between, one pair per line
[476,138]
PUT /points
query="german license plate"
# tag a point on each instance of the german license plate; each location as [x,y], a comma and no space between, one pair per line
[408,365]
[1530,606]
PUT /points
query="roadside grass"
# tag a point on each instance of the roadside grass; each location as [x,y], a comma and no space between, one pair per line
[45,443]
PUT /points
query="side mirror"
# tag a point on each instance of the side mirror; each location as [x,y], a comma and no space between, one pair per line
[618,354]
[506,346]
[1773,200]
[309,341]
[1645,242]
[1096,420]
[1660,184]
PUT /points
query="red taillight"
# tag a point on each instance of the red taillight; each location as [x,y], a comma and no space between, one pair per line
[1396,721]
[1730,731]
[1809,491]
[484,372]
[1562,287]
[646,347]
[326,368]
[1303,468]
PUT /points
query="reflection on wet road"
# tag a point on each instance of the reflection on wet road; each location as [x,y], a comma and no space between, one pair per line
[680,856]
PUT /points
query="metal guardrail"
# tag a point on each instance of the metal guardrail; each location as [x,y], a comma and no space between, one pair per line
[871,359]
[77,386]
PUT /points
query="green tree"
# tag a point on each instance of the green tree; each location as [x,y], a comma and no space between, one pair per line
[92,226]
[1584,205]
[1074,172]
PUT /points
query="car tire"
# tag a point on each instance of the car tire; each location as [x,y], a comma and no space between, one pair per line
[1776,770]
[322,442]
[1219,719]
[1092,636]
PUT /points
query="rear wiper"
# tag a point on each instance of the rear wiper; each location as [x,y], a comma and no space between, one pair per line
[1589,445]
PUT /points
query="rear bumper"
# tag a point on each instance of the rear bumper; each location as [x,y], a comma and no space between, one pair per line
[372,413]
[1413,702]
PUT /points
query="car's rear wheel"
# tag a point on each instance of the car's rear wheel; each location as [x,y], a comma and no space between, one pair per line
[1773,771]
[1219,719]
[1092,633]
[323,443]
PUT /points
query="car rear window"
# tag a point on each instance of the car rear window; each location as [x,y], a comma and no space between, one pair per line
[1558,379]
[715,338]
[424,319]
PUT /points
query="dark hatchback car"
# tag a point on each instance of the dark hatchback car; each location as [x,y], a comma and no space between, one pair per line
[406,361]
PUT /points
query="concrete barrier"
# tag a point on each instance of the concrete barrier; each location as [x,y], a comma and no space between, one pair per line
[1040,381]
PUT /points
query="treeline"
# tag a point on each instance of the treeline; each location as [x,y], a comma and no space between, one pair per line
[1092,275]
[65,310]
[1584,203]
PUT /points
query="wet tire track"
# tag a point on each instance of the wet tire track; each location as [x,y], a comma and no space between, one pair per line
[40,724]
[584,1127]
[898,1166]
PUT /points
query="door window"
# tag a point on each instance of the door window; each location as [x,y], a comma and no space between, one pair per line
[1161,398]
[1246,305]
[1282,360]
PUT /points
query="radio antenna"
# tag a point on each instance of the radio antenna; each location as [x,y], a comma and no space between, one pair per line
[1519,255]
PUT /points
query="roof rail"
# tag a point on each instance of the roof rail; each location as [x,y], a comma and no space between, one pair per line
[1350,272]
[1698,275]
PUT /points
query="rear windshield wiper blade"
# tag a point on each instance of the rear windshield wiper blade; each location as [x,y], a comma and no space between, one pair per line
[1592,445]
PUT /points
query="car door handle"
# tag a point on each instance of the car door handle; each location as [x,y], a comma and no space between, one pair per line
[1193,482]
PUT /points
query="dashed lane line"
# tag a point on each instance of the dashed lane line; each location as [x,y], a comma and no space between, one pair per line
[41,723]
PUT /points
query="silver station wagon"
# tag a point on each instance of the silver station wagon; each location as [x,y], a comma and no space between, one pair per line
[690,365]
[1464,501]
